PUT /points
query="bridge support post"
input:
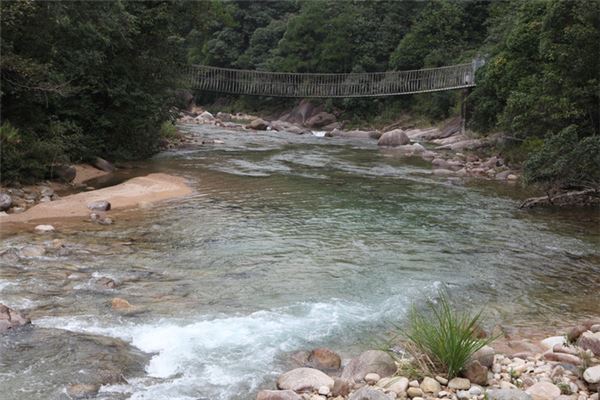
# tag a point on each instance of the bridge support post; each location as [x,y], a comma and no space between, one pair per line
[463,110]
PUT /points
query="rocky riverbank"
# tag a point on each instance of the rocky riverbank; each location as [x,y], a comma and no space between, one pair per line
[451,152]
[565,367]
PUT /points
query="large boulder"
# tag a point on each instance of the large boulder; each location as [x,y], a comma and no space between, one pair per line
[321,119]
[258,124]
[184,99]
[394,138]
[5,201]
[102,164]
[277,395]
[11,319]
[301,113]
[376,361]
[368,393]
[590,341]
[63,172]
[304,380]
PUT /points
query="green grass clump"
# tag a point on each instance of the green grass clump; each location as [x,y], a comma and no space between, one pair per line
[443,339]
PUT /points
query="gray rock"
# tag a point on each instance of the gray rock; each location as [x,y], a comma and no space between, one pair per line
[341,387]
[99,205]
[430,385]
[63,172]
[459,384]
[44,228]
[258,124]
[304,380]
[11,319]
[368,393]
[102,164]
[320,120]
[590,341]
[592,374]
[277,395]
[376,361]
[485,356]
[394,138]
[414,392]
[45,191]
[507,394]
[5,201]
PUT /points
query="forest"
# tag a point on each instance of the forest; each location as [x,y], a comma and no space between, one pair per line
[100,79]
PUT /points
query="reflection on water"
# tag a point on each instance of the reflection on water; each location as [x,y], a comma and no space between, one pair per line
[292,242]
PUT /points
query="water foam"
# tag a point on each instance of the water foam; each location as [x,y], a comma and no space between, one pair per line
[227,357]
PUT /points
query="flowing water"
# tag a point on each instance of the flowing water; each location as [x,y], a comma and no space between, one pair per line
[288,243]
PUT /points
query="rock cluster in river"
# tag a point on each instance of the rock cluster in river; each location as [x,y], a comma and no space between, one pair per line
[564,371]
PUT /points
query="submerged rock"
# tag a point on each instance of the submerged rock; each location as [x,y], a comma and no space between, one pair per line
[394,138]
[11,319]
[83,391]
[258,124]
[324,359]
[582,198]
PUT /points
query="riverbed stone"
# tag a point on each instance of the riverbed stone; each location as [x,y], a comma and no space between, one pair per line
[372,378]
[304,380]
[368,393]
[459,384]
[277,395]
[120,304]
[543,391]
[414,392]
[258,124]
[32,250]
[341,387]
[324,359]
[99,205]
[396,137]
[376,361]
[5,201]
[44,228]
[485,356]
[82,391]
[396,384]
[102,164]
[430,385]
[507,394]
[590,341]
[562,357]
[476,373]
[11,319]
[592,374]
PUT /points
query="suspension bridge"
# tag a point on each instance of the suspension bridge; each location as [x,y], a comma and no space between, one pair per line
[368,84]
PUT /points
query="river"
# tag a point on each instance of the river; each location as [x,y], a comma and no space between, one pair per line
[289,242]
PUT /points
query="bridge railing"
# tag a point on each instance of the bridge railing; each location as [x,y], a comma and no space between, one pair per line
[264,83]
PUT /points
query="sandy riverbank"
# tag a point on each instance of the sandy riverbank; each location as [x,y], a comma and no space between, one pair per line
[138,191]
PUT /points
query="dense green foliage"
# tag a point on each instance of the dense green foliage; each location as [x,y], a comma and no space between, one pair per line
[84,79]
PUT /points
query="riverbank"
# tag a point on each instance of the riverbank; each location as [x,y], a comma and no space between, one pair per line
[561,367]
[139,191]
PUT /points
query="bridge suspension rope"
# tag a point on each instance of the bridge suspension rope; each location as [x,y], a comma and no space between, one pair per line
[369,84]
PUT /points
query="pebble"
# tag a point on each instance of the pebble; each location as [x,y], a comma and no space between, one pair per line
[441,380]
[324,390]
[372,378]
[44,228]
[413,392]
[413,383]
[459,384]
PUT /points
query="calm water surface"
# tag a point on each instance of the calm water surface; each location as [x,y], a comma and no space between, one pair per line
[289,242]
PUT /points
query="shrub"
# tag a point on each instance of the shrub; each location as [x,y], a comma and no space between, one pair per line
[168,130]
[443,339]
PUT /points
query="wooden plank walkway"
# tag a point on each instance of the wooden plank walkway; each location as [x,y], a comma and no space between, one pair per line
[279,84]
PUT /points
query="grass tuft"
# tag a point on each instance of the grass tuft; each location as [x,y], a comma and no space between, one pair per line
[442,339]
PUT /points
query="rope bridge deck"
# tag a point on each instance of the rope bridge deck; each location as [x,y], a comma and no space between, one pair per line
[371,84]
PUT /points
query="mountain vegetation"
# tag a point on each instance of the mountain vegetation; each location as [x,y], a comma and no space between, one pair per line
[85,79]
